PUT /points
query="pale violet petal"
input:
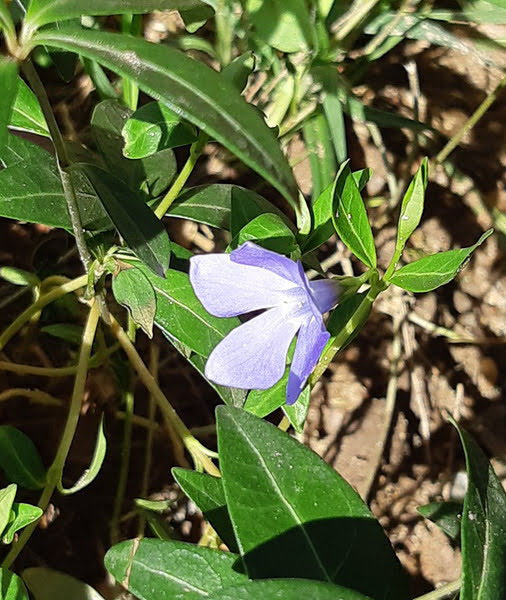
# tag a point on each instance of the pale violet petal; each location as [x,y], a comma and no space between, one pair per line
[253,356]
[311,341]
[251,254]
[325,293]
[227,289]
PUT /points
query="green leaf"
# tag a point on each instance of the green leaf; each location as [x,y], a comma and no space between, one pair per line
[133,290]
[341,316]
[168,570]
[322,212]
[20,460]
[196,17]
[11,586]
[9,80]
[207,493]
[435,270]
[264,402]
[239,70]
[412,207]
[196,92]
[314,519]
[133,219]
[46,584]
[321,152]
[158,506]
[42,12]
[446,515]
[155,127]
[297,413]
[287,589]
[21,516]
[65,331]
[350,218]
[269,231]
[19,276]
[7,497]
[483,527]
[27,113]
[286,27]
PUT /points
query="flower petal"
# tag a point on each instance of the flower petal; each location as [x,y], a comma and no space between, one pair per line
[310,342]
[251,254]
[253,356]
[325,293]
[227,289]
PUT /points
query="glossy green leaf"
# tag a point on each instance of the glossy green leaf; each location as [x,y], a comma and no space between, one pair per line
[7,497]
[180,315]
[269,231]
[21,515]
[133,290]
[412,207]
[314,518]
[431,272]
[11,586]
[20,460]
[446,515]
[297,413]
[27,113]
[46,584]
[169,570]
[321,153]
[133,219]
[155,127]
[287,589]
[207,493]
[41,12]
[194,91]
[321,210]
[8,82]
[483,527]
[239,70]
[284,26]
[350,220]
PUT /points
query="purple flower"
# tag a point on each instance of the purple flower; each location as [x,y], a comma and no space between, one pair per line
[253,356]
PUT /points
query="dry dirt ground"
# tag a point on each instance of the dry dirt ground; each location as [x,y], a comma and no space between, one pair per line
[379,414]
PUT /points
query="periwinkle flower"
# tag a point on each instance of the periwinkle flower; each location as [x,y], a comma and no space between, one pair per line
[251,278]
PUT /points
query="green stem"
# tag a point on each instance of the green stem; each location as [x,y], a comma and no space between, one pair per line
[359,11]
[33,309]
[55,471]
[195,152]
[224,33]
[443,592]
[471,122]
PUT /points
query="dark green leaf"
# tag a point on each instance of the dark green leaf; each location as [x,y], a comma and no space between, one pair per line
[362,113]
[446,515]
[155,127]
[20,460]
[21,516]
[65,331]
[315,525]
[8,81]
[430,272]
[341,316]
[207,493]
[42,12]
[168,570]
[27,114]
[239,70]
[46,584]
[269,231]
[483,529]
[11,586]
[350,218]
[7,497]
[133,290]
[196,17]
[133,219]
[287,589]
[194,91]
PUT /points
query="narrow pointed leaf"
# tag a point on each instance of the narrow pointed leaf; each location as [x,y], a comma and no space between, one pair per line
[194,91]
[8,85]
[26,113]
[412,206]
[21,516]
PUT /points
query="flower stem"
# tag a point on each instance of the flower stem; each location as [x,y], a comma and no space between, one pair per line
[443,592]
[194,447]
[195,152]
[55,471]
[54,294]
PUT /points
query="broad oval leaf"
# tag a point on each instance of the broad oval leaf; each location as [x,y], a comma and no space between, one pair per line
[47,584]
[27,114]
[9,80]
[11,586]
[483,527]
[169,570]
[42,12]
[21,516]
[316,523]
[287,589]
[133,290]
[431,272]
[133,219]
[192,90]
[20,460]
